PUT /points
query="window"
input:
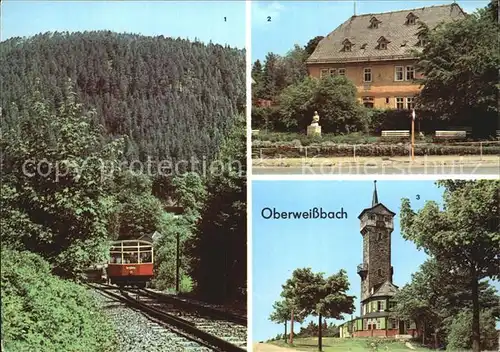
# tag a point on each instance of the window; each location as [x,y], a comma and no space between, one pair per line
[379,306]
[371,216]
[400,103]
[398,73]
[393,323]
[410,73]
[347,44]
[411,20]
[341,72]
[382,46]
[379,237]
[367,77]
[387,99]
[410,104]
[333,72]
[387,218]
[379,272]
[323,72]
[378,323]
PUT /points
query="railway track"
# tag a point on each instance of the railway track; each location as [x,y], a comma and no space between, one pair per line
[205,327]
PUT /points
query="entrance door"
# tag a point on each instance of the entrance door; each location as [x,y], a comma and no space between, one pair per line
[402,329]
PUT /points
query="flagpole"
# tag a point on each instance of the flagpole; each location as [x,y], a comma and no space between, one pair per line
[413,135]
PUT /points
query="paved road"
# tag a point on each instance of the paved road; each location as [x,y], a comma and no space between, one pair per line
[489,169]
[266,347]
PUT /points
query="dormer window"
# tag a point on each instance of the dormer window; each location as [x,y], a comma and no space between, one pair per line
[411,19]
[364,46]
[382,43]
[347,45]
[374,22]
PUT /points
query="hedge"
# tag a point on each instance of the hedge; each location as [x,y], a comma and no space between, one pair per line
[367,150]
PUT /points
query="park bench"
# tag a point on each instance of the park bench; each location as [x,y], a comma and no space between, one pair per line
[451,135]
[255,132]
[395,134]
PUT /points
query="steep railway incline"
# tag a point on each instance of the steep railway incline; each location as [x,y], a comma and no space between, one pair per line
[202,326]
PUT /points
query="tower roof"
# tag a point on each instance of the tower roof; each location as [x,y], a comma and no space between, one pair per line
[376,207]
[375,195]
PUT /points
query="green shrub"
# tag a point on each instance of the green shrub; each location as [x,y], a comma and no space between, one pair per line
[41,312]
[460,333]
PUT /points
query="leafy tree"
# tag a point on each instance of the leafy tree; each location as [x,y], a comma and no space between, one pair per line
[312,44]
[257,76]
[55,191]
[459,337]
[314,294]
[460,66]
[333,97]
[464,234]
[282,313]
[219,247]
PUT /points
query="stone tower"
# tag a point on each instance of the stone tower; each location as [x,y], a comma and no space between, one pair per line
[376,228]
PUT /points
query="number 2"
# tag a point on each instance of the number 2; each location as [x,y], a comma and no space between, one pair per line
[268,18]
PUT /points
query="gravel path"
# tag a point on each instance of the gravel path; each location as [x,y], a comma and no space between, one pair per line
[137,333]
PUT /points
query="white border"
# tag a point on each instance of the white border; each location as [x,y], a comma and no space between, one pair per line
[248,48]
[371,177]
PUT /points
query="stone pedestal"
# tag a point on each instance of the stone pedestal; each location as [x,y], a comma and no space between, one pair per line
[314,130]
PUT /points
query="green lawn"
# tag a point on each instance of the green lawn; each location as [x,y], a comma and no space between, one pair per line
[331,344]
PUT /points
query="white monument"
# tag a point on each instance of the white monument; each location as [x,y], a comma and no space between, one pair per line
[314,129]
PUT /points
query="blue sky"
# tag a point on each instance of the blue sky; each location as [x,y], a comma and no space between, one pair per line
[296,22]
[280,246]
[186,19]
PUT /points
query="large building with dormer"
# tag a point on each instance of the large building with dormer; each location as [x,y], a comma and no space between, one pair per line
[375,52]
[376,272]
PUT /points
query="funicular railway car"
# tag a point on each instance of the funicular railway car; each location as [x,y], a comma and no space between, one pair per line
[131,263]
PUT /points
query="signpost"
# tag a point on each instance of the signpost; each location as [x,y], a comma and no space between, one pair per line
[413,135]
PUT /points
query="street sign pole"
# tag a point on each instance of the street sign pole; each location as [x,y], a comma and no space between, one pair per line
[413,135]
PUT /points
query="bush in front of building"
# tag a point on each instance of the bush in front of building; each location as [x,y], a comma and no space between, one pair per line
[43,313]
[460,332]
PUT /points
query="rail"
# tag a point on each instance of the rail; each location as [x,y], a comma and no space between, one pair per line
[207,310]
[189,327]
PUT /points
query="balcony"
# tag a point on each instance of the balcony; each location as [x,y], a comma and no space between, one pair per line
[362,269]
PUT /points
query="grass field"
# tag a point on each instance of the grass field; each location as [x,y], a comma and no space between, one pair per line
[331,344]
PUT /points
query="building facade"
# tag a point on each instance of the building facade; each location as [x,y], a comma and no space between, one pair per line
[375,51]
[376,272]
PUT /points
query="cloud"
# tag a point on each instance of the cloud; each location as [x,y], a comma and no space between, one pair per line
[264,12]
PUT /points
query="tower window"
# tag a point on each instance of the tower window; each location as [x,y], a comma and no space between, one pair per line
[379,272]
[387,100]
[379,236]
[371,217]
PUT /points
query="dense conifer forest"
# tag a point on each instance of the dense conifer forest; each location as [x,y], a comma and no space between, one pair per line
[172,98]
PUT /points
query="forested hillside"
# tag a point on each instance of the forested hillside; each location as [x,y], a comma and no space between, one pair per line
[171,98]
